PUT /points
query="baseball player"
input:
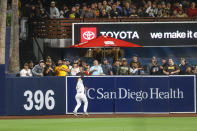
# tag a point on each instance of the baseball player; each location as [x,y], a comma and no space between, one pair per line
[80,96]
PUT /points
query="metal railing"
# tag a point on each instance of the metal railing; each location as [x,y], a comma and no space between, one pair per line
[62,28]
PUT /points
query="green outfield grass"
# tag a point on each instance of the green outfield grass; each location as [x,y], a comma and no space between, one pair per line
[102,124]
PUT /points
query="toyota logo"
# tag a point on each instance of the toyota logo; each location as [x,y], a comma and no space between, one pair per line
[88,35]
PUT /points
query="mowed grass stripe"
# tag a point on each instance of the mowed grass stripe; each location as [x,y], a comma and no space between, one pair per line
[102,124]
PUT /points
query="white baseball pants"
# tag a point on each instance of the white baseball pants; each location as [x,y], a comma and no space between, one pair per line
[81,97]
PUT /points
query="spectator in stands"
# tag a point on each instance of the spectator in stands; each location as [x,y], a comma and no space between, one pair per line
[38,69]
[164,64]
[167,12]
[103,14]
[68,64]
[133,13]
[181,14]
[124,68]
[105,6]
[127,10]
[183,66]
[149,9]
[115,67]
[189,71]
[135,61]
[81,72]
[171,69]
[89,13]
[107,68]
[99,6]
[115,12]
[83,10]
[64,11]
[195,70]
[61,70]
[87,70]
[31,65]
[174,14]
[96,69]
[140,12]
[77,6]
[134,69]
[25,72]
[75,69]
[118,3]
[49,70]
[54,12]
[73,13]
[160,10]
[150,65]
[33,12]
[192,11]
[155,9]
[155,69]
[95,10]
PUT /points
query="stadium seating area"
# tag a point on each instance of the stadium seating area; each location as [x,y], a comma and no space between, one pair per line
[107,8]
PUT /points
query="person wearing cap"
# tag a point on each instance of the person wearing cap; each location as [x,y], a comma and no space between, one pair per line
[135,61]
[124,68]
[107,68]
[25,72]
[115,67]
[49,69]
[150,65]
[54,12]
[38,69]
[61,70]
[164,65]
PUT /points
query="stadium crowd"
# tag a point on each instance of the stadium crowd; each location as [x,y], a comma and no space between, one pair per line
[118,67]
[108,8]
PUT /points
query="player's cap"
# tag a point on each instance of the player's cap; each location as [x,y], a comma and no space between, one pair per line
[52,2]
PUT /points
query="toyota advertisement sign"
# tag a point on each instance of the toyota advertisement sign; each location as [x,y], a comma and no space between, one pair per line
[141,33]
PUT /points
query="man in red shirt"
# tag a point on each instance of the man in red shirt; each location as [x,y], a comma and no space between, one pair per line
[192,11]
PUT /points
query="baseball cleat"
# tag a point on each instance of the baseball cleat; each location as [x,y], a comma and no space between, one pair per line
[85,114]
[75,113]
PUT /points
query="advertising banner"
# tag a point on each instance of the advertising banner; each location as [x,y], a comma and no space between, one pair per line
[35,96]
[146,34]
[132,94]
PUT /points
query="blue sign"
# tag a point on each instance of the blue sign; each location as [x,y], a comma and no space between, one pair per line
[2,89]
[136,94]
[35,96]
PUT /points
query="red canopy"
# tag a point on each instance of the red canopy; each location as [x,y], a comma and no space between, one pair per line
[105,41]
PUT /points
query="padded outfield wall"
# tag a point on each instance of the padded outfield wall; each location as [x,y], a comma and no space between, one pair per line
[106,94]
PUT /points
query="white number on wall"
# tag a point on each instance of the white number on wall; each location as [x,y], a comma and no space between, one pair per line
[38,100]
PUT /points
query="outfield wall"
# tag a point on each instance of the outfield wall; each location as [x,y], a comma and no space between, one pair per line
[2,89]
[115,94]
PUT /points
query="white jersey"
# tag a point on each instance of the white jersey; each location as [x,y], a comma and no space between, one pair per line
[80,87]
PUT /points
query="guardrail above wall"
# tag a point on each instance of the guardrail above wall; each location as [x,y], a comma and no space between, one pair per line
[62,28]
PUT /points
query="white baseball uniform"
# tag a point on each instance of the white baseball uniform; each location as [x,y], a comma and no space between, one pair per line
[80,96]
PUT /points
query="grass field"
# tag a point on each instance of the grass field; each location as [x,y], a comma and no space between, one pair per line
[102,124]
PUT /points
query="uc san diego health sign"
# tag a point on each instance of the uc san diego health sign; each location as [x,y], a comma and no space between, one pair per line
[132,94]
